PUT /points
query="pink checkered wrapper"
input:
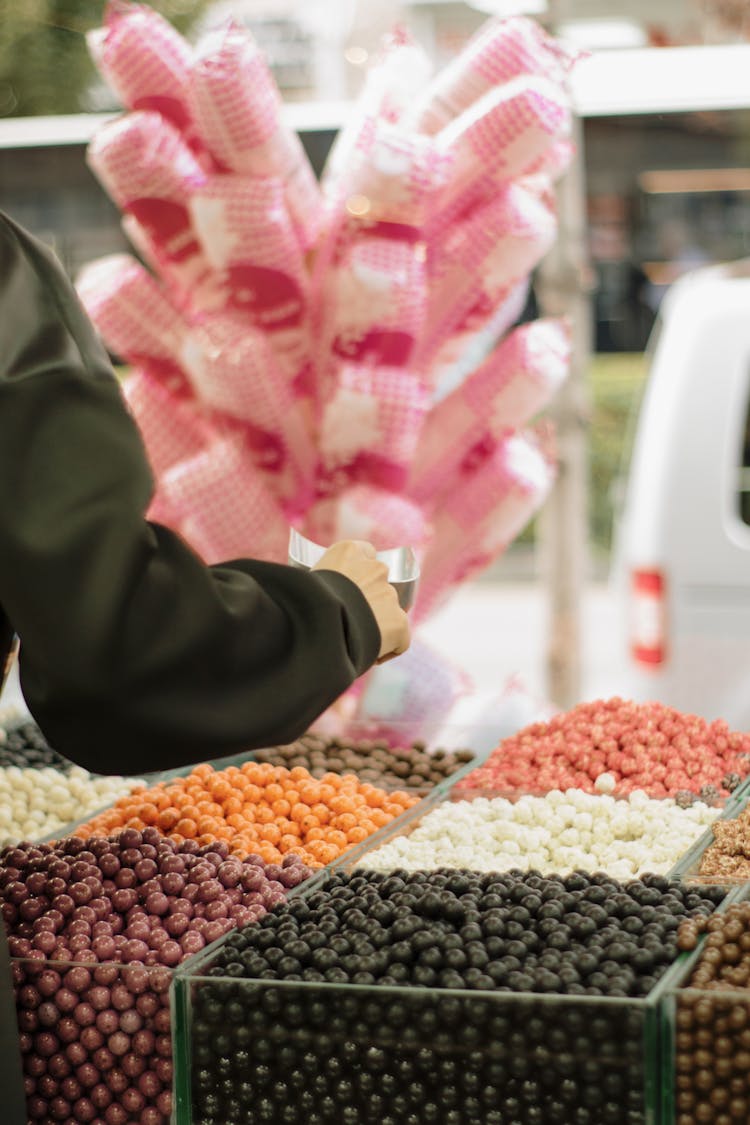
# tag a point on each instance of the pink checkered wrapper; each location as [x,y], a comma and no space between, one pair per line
[466,349]
[246,235]
[237,108]
[397,179]
[159,510]
[131,311]
[502,49]
[483,258]
[554,161]
[171,423]
[144,60]
[495,309]
[499,138]
[193,286]
[391,83]
[370,426]
[375,301]
[487,507]
[223,507]
[516,381]
[386,519]
[232,370]
[146,167]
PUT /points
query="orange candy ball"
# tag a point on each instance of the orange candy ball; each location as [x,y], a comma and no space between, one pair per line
[260,808]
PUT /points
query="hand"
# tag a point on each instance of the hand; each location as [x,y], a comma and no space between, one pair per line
[356,559]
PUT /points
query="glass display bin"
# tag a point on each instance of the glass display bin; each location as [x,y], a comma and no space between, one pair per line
[511,850]
[254,1051]
[251,1050]
[97,1038]
[705,1051]
[450,740]
[689,865]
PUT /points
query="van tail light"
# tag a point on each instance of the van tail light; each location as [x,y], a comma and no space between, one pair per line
[648,628]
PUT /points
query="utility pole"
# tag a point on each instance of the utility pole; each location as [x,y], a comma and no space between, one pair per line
[563,289]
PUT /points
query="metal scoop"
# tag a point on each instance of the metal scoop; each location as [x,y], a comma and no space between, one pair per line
[403,568]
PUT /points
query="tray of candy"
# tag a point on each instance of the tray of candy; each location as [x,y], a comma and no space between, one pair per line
[455,1052]
[689,866]
[705,1032]
[555,832]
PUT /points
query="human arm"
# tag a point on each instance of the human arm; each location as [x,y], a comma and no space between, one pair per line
[134,654]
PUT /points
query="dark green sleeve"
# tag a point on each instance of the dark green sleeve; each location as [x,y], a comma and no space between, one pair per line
[134,654]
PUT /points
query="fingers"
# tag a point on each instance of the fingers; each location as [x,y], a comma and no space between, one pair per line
[356,559]
[365,547]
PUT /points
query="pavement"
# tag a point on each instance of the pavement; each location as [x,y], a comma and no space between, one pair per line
[499,630]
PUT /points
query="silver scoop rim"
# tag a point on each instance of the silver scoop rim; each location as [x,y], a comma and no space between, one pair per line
[403,567]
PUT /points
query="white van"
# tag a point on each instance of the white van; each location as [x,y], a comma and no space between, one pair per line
[682,553]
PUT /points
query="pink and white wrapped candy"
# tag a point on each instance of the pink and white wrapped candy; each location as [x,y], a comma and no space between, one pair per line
[502,49]
[232,369]
[223,507]
[390,86]
[246,235]
[482,259]
[131,311]
[237,108]
[172,426]
[369,288]
[484,510]
[516,381]
[370,426]
[398,177]
[433,213]
[138,322]
[499,138]
[376,301]
[144,60]
[467,348]
[144,163]
[387,519]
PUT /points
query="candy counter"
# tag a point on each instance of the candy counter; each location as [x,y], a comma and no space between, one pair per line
[706,1021]
[244,941]
[99,920]
[40,791]
[720,853]
[410,997]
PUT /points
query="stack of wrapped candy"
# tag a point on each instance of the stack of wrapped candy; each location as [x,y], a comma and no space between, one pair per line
[340,355]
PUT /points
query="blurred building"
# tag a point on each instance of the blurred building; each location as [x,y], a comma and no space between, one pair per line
[648,176]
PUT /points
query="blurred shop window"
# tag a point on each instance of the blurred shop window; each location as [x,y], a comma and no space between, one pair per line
[622,316]
[316,49]
[678,253]
[276,26]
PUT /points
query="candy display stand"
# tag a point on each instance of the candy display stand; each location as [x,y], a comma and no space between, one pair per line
[721,1017]
[11,1074]
[442,1048]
